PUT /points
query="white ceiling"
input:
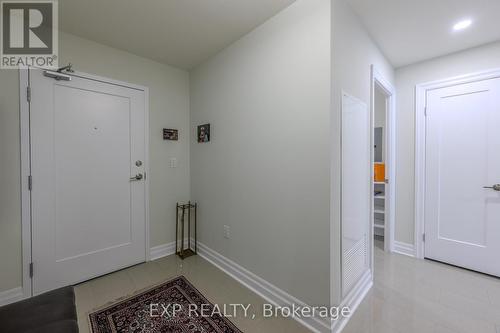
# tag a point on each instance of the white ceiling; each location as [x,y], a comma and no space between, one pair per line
[409,31]
[181,33]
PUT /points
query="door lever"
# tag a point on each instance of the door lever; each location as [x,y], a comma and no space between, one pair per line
[495,187]
[137,177]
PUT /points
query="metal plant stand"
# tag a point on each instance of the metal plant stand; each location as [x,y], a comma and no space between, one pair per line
[183,242]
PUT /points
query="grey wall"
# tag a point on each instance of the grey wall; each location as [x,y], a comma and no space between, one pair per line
[353,54]
[380,117]
[10,195]
[169,107]
[470,61]
[266,171]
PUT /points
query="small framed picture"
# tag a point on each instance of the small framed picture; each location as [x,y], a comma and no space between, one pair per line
[204,133]
[170,134]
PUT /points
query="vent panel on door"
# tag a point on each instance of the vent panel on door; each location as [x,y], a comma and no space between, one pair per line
[354,264]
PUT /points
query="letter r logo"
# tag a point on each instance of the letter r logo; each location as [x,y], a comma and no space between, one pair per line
[27,27]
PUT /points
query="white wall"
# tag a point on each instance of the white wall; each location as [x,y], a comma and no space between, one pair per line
[353,54]
[473,60]
[169,107]
[266,171]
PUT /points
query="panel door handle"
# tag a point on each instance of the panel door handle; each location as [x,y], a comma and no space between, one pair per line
[495,187]
[137,177]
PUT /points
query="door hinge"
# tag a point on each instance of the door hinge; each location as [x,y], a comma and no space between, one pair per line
[30,183]
[423,237]
[28,94]
[425,111]
[31,270]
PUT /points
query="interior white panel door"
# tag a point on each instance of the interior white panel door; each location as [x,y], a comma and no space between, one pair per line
[462,217]
[88,216]
[356,187]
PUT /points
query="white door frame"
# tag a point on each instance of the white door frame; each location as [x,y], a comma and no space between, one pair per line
[420,134]
[26,167]
[378,80]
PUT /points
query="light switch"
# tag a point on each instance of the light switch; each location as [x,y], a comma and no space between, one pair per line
[173,162]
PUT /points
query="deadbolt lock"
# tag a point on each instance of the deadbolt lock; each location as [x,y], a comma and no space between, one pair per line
[138,163]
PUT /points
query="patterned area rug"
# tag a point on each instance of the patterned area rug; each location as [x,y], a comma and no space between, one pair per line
[134,314]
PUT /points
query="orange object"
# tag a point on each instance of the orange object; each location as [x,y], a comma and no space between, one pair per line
[379,172]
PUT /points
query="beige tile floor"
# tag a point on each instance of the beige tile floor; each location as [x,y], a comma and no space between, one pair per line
[408,296]
[214,284]
[421,296]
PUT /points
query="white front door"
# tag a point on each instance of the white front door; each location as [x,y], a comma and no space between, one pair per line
[88,216]
[462,217]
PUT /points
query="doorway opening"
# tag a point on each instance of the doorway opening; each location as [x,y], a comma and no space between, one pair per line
[380,149]
[383,151]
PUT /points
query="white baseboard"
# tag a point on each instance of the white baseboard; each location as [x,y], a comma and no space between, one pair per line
[161,251]
[404,249]
[11,296]
[266,290]
[353,300]
[270,292]
[16,294]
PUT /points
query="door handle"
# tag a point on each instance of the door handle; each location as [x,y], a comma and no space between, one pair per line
[495,187]
[137,177]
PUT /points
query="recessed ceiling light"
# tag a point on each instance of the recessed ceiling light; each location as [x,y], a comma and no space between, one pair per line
[462,25]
